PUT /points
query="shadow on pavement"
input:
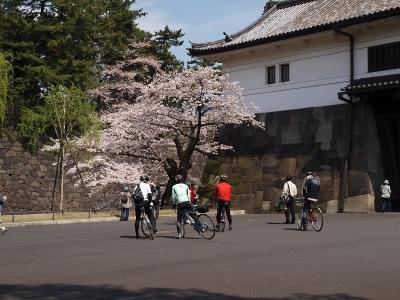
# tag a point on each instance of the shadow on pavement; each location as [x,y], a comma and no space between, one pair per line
[276,223]
[72,292]
[292,229]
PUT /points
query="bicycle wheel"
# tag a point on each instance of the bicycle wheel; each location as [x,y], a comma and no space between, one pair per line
[146,226]
[223,219]
[207,227]
[182,225]
[316,219]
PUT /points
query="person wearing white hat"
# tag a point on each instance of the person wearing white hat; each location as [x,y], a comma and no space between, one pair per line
[385,196]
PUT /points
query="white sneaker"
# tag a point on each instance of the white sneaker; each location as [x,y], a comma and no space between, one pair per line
[178,236]
[3,229]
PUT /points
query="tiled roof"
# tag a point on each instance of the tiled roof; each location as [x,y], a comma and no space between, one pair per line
[379,82]
[293,18]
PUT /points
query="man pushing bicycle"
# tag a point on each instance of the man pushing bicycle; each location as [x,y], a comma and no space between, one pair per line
[181,199]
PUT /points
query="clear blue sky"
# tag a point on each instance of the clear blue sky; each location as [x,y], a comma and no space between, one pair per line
[200,20]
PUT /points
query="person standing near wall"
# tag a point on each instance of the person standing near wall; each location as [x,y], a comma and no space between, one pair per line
[385,197]
[289,191]
[125,204]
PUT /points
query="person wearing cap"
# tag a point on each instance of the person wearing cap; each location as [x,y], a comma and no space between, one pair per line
[385,196]
[223,194]
[311,191]
[125,203]
[181,200]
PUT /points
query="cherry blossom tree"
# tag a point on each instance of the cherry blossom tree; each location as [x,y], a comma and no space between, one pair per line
[176,116]
[156,121]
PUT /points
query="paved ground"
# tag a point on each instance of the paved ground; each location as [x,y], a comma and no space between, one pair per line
[355,257]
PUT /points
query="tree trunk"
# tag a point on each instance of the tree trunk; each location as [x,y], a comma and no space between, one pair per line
[62,180]
[172,170]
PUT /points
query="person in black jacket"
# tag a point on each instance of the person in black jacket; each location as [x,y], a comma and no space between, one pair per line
[311,194]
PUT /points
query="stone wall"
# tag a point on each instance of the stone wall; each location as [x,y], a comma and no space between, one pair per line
[28,179]
[313,139]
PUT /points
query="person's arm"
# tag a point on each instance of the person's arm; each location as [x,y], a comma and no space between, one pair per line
[174,196]
[285,189]
[188,193]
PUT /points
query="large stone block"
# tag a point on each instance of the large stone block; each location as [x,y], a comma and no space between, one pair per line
[360,184]
[290,135]
[259,199]
[324,133]
[246,162]
[287,166]
[272,194]
[361,203]
[269,160]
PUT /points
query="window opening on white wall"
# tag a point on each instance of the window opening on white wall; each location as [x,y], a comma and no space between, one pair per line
[271,74]
[384,57]
[284,72]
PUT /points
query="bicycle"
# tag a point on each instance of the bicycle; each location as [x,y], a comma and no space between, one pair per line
[224,219]
[314,216]
[206,226]
[145,224]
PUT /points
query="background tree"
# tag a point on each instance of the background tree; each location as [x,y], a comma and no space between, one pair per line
[65,114]
[64,42]
[164,40]
[5,69]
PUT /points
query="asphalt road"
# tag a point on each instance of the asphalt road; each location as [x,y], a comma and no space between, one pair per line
[354,257]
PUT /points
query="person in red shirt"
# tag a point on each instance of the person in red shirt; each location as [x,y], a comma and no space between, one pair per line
[223,193]
[193,195]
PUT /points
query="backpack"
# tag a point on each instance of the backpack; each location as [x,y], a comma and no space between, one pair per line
[124,198]
[137,195]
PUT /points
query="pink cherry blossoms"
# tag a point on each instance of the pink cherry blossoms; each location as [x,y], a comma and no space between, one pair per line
[155,120]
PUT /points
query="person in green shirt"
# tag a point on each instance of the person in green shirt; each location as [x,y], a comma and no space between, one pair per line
[181,200]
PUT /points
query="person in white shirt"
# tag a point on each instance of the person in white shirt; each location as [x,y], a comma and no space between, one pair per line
[385,196]
[290,191]
[143,199]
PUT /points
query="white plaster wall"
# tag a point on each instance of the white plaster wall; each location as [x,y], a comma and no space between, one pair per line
[319,67]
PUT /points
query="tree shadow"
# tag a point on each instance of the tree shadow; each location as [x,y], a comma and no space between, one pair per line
[72,292]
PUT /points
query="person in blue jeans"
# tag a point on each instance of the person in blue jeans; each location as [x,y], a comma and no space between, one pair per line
[311,191]
[125,204]
[181,200]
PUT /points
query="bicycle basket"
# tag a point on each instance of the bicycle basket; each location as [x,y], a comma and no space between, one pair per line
[202,209]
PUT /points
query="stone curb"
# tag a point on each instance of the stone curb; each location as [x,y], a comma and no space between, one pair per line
[94,220]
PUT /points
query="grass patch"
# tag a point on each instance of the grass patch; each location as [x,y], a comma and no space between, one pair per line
[49,217]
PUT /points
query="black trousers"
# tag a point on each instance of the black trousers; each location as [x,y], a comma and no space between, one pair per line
[290,211]
[138,213]
[227,205]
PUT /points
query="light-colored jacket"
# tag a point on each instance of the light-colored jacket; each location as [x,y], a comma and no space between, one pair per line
[128,197]
[289,188]
[385,191]
[180,193]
